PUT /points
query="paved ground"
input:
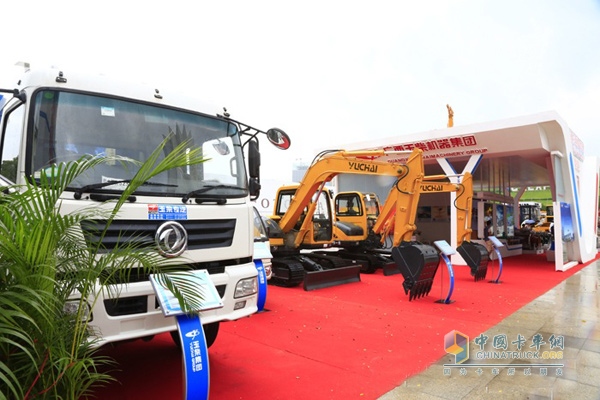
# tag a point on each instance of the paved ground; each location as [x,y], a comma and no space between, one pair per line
[569,311]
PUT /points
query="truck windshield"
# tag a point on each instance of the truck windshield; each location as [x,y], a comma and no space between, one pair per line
[66,126]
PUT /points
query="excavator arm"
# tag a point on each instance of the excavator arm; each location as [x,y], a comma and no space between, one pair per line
[328,165]
[474,254]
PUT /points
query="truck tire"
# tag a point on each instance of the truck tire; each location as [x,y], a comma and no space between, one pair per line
[210,333]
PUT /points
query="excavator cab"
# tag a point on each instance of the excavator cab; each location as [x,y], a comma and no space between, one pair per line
[355,216]
[315,234]
[350,218]
[295,260]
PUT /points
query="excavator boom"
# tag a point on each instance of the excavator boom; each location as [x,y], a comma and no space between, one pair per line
[329,165]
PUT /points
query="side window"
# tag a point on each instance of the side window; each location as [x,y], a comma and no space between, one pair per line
[11,141]
[284,202]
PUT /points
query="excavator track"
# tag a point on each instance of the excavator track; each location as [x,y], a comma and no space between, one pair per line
[287,272]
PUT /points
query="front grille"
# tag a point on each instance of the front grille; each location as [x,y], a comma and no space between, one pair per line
[138,304]
[202,234]
[126,306]
[140,275]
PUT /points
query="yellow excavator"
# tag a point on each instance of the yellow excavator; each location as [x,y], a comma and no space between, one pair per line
[408,256]
[303,218]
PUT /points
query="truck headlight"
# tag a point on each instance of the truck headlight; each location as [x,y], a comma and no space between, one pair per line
[246,287]
[72,307]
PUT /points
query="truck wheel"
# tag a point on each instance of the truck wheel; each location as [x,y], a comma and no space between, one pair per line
[210,333]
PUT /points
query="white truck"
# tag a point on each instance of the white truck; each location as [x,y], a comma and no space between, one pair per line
[202,214]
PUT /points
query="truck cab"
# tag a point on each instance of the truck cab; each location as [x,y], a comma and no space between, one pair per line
[200,216]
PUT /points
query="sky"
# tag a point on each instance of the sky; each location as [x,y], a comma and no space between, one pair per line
[332,73]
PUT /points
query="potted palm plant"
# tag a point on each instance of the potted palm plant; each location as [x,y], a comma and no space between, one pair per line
[47,350]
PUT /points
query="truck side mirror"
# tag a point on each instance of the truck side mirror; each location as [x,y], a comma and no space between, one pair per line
[254,169]
[253,159]
[254,187]
[279,138]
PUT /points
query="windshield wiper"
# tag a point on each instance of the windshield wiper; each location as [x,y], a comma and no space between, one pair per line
[220,199]
[78,192]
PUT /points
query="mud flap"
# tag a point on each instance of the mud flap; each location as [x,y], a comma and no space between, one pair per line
[476,256]
[418,263]
[331,277]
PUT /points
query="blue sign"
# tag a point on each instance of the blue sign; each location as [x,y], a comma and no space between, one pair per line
[2,102]
[568,234]
[262,284]
[195,357]
[167,211]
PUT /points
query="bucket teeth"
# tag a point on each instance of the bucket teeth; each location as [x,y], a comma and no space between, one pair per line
[480,273]
[476,256]
[420,289]
[418,264]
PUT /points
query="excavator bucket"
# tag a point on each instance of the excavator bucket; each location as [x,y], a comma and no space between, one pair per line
[418,263]
[476,257]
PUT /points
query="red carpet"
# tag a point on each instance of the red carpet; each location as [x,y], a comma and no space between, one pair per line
[354,341]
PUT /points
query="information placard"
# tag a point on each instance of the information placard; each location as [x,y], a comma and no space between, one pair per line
[444,247]
[201,279]
[495,241]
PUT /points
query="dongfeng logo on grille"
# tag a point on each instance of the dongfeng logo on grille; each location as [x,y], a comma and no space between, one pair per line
[171,239]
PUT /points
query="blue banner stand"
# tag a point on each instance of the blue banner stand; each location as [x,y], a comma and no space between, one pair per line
[262,285]
[196,371]
[445,251]
[496,244]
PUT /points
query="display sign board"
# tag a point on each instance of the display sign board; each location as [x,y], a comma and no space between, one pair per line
[201,279]
[495,241]
[444,247]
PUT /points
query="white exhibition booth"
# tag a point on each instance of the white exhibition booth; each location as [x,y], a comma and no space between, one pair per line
[505,158]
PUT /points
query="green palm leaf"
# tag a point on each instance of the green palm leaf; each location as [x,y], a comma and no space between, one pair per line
[44,260]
